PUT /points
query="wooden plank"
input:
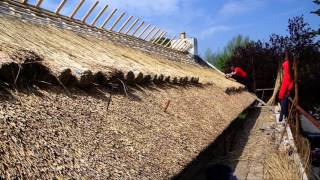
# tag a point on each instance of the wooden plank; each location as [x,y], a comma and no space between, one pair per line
[63,2]
[138,28]
[99,15]
[150,32]
[159,39]
[39,2]
[143,31]
[155,34]
[90,11]
[76,9]
[116,21]
[132,25]
[109,17]
[125,23]
[173,37]
[180,41]
[164,41]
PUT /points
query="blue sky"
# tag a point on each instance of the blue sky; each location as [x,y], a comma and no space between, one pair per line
[213,22]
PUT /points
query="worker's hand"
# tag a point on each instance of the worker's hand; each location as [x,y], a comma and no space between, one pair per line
[228,76]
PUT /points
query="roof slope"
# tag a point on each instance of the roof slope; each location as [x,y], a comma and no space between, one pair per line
[55,135]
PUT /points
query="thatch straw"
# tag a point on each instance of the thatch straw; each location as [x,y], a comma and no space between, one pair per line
[281,166]
[79,136]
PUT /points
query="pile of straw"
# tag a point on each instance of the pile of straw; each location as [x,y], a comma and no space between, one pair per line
[281,166]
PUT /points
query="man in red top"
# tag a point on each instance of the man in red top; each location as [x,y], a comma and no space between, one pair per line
[286,87]
[239,75]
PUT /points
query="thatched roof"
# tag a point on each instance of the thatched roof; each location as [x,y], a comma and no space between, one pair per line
[49,134]
[66,132]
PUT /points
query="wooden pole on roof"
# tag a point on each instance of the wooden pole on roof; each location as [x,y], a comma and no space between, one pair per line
[177,43]
[296,92]
[117,21]
[187,47]
[132,25]
[39,2]
[181,45]
[63,2]
[149,33]
[164,41]
[155,38]
[166,45]
[184,49]
[125,23]
[143,31]
[159,39]
[99,15]
[108,19]
[138,28]
[155,34]
[296,76]
[90,11]
[77,8]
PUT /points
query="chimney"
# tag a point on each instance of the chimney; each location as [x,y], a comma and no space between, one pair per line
[183,35]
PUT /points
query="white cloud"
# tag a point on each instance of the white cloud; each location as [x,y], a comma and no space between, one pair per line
[213,30]
[234,7]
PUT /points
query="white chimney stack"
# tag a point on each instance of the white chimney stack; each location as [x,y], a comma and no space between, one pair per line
[183,35]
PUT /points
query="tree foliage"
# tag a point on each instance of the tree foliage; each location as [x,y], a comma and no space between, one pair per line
[261,60]
[162,40]
[222,58]
[209,56]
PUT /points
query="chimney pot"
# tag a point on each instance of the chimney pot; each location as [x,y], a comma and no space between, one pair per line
[183,35]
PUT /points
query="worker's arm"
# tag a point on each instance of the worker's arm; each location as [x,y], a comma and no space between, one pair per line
[229,75]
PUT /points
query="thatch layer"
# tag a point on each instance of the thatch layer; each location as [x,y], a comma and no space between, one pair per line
[49,134]
[64,50]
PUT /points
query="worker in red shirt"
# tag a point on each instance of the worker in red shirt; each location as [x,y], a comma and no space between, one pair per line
[286,87]
[239,75]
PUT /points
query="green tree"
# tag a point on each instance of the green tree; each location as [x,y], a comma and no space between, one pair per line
[209,56]
[162,40]
[222,58]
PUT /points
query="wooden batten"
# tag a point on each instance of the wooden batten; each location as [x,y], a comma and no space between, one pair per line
[116,21]
[109,17]
[145,29]
[166,45]
[125,23]
[99,15]
[76,9]
[159,39]
[138,28]
[90,11]
[39,2]
[149,33]
[132,25]
[59,8]
[156,35]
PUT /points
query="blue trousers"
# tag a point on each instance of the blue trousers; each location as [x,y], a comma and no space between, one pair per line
[284,108]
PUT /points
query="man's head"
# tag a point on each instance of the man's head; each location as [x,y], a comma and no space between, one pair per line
[232,68]
[286,54]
